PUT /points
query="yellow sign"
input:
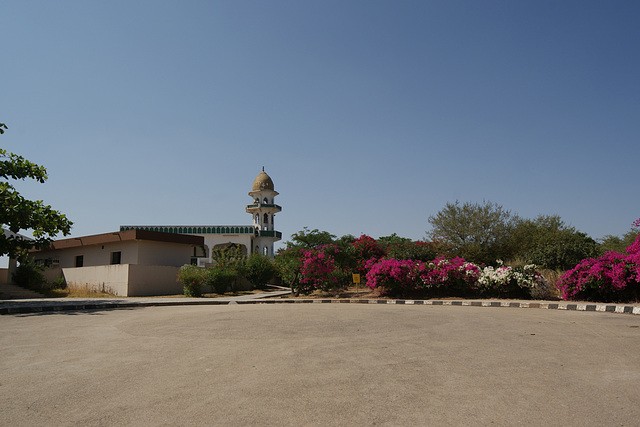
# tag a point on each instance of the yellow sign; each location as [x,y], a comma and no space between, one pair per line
[356,278]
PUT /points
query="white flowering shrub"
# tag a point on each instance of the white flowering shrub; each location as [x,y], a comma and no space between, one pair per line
[515,282]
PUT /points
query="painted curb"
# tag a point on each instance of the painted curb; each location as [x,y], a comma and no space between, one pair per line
[31,307]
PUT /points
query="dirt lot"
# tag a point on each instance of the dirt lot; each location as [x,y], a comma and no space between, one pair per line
[319,364]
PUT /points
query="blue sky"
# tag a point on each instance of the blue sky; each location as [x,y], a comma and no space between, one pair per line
[368,115]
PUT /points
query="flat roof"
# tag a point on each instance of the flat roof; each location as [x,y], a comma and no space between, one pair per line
[128,235]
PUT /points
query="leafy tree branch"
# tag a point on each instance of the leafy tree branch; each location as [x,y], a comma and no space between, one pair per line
[18,213]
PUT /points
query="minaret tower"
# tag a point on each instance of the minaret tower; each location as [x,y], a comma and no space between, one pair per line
[263,210]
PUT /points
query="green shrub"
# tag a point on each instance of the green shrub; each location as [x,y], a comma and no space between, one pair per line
[220,278]
[29,275]
[192,278]
[58,283]
[288,263]
[259,270]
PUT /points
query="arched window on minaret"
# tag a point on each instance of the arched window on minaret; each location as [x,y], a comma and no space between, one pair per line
[266,219]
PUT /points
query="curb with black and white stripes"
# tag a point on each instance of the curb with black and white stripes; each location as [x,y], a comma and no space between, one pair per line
[32,307]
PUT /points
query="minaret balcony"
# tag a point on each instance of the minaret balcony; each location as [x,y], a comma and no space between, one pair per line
[270,233]
[269,206]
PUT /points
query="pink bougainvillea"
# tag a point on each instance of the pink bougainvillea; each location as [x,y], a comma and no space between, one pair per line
[392,275]
[450,277]
[318,268]
[611,277]
[455,272]
[366,248]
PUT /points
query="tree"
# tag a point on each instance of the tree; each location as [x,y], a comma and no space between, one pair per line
[393,239]
[477,232]
[616,243]
[548,242]
[345,256]
[619,244]
[288,263]
[306,239]
[19,213]
[417,251]
[403,248]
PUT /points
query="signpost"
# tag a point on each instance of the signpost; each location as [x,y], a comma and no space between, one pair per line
[356,280]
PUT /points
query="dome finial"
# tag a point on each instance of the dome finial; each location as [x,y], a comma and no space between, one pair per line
[263,169]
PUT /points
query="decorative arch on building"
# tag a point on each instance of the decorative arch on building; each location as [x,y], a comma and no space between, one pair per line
[231,245]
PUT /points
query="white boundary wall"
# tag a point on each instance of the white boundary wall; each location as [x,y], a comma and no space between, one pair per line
[127,280]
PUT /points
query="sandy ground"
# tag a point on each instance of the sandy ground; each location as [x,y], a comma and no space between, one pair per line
[319,364]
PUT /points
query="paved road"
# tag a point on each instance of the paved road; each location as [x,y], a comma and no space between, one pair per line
[320,364]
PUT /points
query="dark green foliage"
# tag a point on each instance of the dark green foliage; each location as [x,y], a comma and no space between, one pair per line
[18,213]
[563,251]
[549,243]
[306,239]
[58,283]
[29,275]
[288,263]
[346,255]
[259,270]
[192,279]
[345,241]
[195,280]
[393,239]
[419,251]
[220,278]
[618,244]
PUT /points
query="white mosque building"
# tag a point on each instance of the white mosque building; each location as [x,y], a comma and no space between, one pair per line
[257,238]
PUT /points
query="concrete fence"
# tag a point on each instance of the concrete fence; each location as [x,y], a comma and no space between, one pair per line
[128,280]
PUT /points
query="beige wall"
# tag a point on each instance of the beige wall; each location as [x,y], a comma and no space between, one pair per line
[132,252]
[126,280]
[146,268]
[146,280]
[104,278]
[93,255]
[159,253]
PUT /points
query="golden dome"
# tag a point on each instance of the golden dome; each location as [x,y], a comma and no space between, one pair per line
[262,182]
